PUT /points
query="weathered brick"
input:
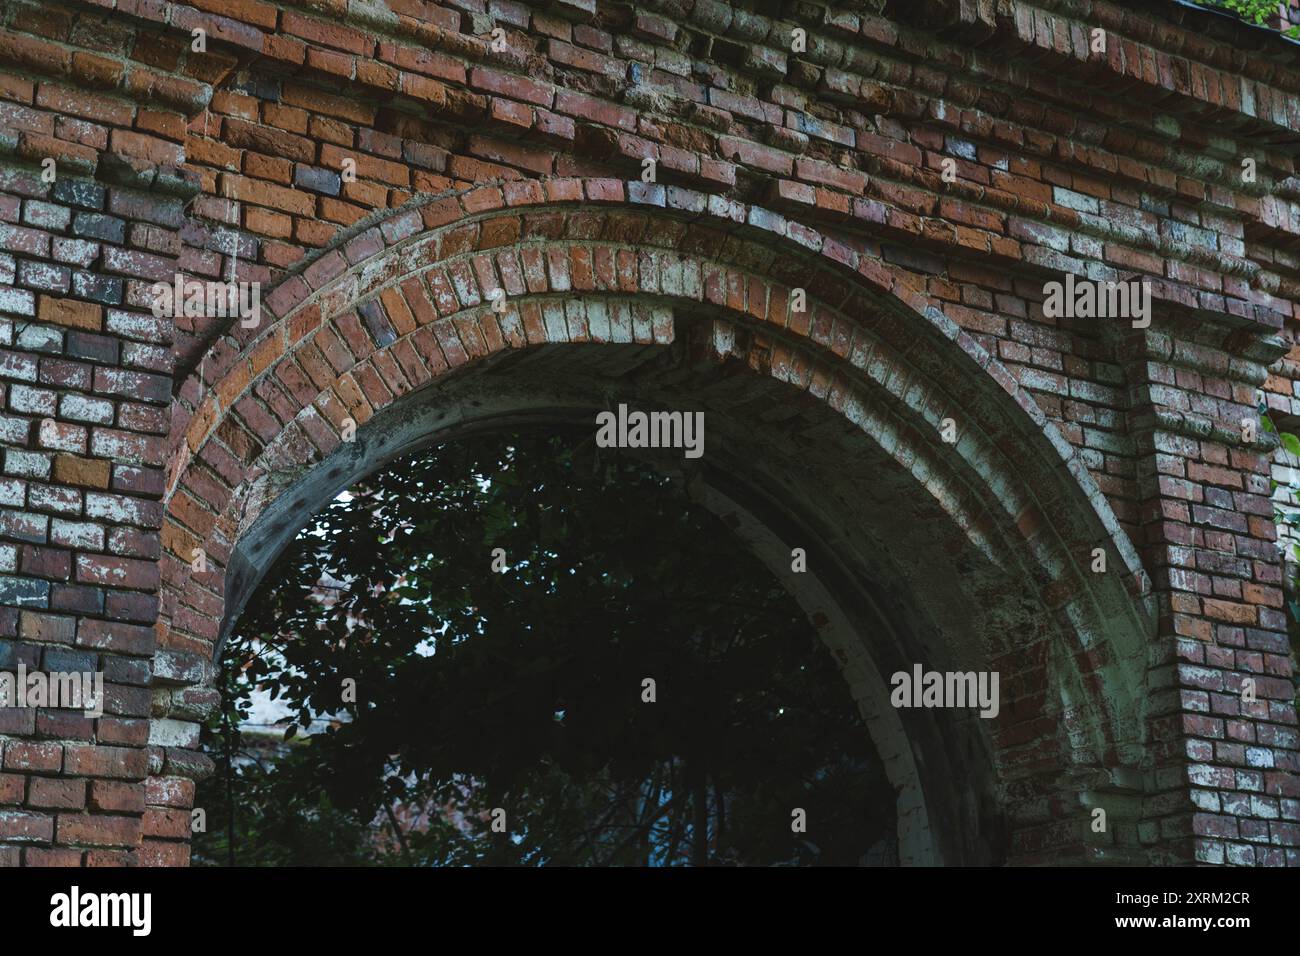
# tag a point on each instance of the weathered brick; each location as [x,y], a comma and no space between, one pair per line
[70,312]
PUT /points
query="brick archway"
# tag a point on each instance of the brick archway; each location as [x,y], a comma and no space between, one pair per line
[387,327]
[935,166]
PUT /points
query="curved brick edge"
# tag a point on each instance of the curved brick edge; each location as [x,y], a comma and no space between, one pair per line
[402,303]
[353,269]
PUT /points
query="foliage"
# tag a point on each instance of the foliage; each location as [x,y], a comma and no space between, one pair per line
[1287,517]
[522,690]
[1258,12]
[279,825]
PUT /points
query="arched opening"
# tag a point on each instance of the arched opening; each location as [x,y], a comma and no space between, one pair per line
[526,675]
[824,433]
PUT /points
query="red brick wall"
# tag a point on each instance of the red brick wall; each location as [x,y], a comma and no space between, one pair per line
[228,162]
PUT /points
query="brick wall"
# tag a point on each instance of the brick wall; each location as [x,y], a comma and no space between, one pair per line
[230,163]
[87,388]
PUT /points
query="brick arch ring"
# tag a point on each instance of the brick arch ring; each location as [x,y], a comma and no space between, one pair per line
[656,293]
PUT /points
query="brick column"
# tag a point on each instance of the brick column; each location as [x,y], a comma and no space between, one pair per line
[1225,767]
[85,393]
